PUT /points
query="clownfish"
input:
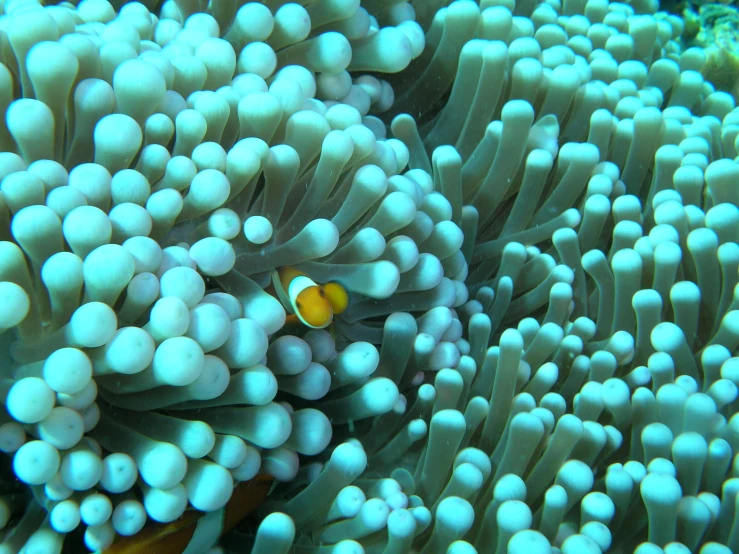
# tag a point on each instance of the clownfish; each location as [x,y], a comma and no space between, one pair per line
[177,536]
[314,305]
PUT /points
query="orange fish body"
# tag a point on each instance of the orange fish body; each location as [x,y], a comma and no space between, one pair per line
[173,538]
[314,305]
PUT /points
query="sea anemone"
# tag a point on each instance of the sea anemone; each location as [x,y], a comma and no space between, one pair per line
[528,209]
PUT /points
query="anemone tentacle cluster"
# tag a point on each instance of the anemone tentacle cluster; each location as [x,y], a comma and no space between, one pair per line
[532,207]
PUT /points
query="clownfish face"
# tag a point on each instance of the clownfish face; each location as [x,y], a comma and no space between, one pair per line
[313,308]
[314,305]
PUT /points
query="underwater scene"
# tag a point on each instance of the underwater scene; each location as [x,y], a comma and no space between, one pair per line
[369,277]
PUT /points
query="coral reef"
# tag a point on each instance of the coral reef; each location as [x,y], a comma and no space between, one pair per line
[443,277]
[713,29]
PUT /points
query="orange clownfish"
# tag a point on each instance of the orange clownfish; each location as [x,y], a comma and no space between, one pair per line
[313,304]
[175,537]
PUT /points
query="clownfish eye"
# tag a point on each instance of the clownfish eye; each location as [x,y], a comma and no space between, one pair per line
[298,305]
[322,293]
